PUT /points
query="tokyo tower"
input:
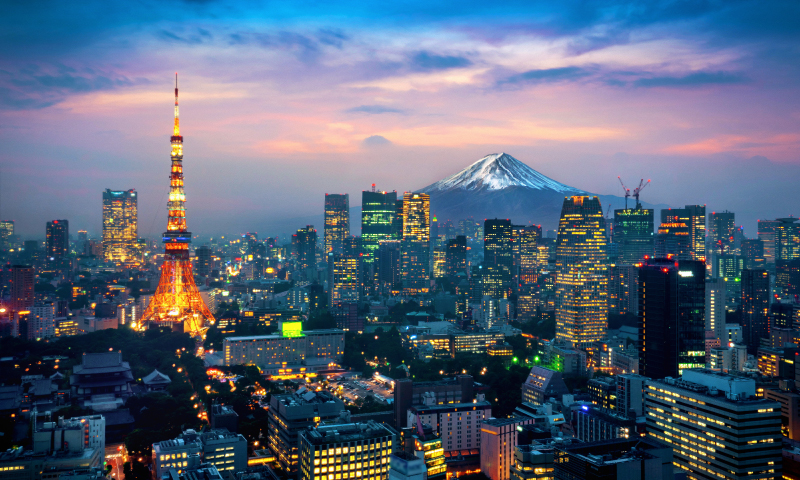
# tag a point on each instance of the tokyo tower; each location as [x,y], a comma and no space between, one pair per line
[177,301]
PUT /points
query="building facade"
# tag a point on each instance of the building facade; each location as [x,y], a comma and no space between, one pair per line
[337,221]
[716,425]
[346,450]
[581,278]
[120,225]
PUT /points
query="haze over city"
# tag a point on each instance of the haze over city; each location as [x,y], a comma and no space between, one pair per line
[282,103]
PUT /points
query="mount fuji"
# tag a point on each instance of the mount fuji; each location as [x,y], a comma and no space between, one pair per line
[500,186]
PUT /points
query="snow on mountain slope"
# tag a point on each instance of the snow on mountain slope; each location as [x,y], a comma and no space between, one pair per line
[496,172]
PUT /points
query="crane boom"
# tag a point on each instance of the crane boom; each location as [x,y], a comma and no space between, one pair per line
[626,190]
[638,190]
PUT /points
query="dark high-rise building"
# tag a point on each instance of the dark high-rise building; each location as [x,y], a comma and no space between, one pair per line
[753,253]
[498,258]
[57,238]
[120,225]
[671,317]
[766,233]
[623,292]
[397,223]
[721,227]
[378,222]
[581,301]
[337,221]
[694,217]
[304,243]
[755,307]
[674,239]
[456,257]
[415,246]
[21,281]
[787,239]
[787,276]
[782,315]
[202,261]
[633,235]
[388,262]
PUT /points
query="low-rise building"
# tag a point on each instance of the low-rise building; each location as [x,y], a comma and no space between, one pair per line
[289,414]
[498,439]
[294,353]
[406,466]
[102,380]
[176,454]
[458,423]
[225,450]
[634,459]
[541,384]
[594,424]
[346,450]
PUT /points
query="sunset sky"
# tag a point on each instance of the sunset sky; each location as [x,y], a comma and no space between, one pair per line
[282,102]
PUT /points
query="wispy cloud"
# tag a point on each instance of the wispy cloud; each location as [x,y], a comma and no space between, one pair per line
[545,75]
[428,61]
[374,109]
[692,80]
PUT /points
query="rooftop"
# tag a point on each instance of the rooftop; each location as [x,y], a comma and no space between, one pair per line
[347,432]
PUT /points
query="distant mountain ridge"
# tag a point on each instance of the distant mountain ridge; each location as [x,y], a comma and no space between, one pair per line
[500,186]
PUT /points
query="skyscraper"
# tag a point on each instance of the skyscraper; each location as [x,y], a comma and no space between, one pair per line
[787,239]
[202,260]
[415,246]
[633,235]
[456,257]
[674,239]
[21,281]
[671,317]
[337,221]
[694,216]
[581,281]
[526,253]
[304,243]
[378,210]
[623,281]
[343,270]
[755,307]
[721,226]
[498,257]
[6,232]
[766,233]
[120,225]
[57,239]
[388,266]
[753,253]
[176,300]
[715,308]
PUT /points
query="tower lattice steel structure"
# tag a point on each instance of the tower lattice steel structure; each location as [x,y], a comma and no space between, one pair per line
[177,300]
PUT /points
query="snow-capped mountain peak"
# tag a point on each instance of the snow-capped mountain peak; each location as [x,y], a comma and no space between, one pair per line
[497,172]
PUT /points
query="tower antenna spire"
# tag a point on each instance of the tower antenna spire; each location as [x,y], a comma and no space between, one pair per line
[177,129]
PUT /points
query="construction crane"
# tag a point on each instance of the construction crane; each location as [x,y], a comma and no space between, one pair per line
[626,190]
[638,190]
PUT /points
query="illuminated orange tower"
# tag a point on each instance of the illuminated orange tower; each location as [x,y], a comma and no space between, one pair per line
[177,300]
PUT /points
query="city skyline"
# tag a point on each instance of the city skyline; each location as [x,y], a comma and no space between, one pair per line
[285,105]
